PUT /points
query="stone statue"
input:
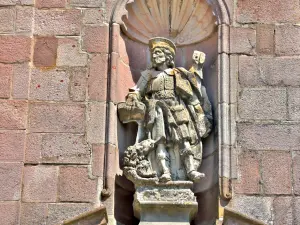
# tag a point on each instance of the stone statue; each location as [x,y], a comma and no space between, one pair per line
[173,113]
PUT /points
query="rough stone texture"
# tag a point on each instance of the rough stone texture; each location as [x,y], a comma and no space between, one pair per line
[91,3]
[286,41]
[6,72]
[10,181]
[60,117]
[249,174]
[9,213]
[50,4]
[7,18]
[14,49]
[97,81]
[265,39]
[68,53]
[276,166]
[49,85]
[57,148]
[96,122]
[45,51]
[94,16]
[34,213]
[76,186]
[297,210]
[78,84]
[269,71]
[13,114]
[8,2]
[253,206]
[98,160]
[12,146]
[242,40]
[294,103]
[59,212]
[38,179]
[20,81]
[267,11]
[95,38]
[283,211]
[296,172]
[52,22]
[271,102]
[24,18]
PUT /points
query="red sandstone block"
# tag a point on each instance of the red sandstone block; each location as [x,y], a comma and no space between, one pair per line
[40,184]
[76,186]
[12,145]
[57,118]
[248,173]
[283,211]
[6,72]
[34,213]
[242,40]
[52,22]
[78,83]
[91,3]
[265,39]
[14,49]
[98,160]
[286,40]
[50,3]
[296,172]
[97,81]
[95,38]
[94,16]
[9,213]
[13,114]
[45,51]
[24,19]
[276,166]
[10,181]
[7,18]
[20,81]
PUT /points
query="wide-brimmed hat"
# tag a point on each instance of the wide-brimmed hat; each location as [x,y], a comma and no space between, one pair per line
[163,43]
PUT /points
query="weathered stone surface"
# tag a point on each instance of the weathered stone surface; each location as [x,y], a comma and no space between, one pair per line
[269,137]
[24,19]
[20,81]
[271,102]
[7,18]
[286,41]
[34,213]
[68,53]
[98,159]
[13,114]
[49,85]
[248,173]
[242,40]
[76,186]
[12,146]
[276,166]
[78,83]
[45,51]
[265,39]
[283,210]
[9,213]
[59,212]
[50,3]
[40,184]
[96,38]
[294,103]
[296,172]
[253,206]
[92,3]
[57,117]
[6,72]
[14,49]
[53,22]
[297,210]
[94,16]
[97,81]
[96,122]
[8,2]
[10,181]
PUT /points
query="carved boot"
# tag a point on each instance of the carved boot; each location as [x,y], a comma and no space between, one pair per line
[193,175]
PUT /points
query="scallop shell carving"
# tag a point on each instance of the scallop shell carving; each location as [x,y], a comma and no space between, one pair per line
[183,21]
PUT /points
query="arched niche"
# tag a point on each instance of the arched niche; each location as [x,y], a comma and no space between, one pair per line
[129,56]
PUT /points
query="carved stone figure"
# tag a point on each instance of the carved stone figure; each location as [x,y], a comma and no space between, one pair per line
[173,112]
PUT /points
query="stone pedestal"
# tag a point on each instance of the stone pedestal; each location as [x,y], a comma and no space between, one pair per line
[165,204]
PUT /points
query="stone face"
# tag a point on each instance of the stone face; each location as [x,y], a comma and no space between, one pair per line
[12,146]
[14,49]
[265,39]
[13,114]
[50,4]
[7,18]
[10,181]
[76,186]
[52,22]
[45,51]
[9,212]
[271,102]
[20,81]
[294,103]
[7,2]
[297,210]
[242,40]
[96,122]
[94,16]
[49,85]
[24,18]
[92,3]
[286,41]
[98,159]
[296,172]
[33,213]
[276,166]
[38,179]
[283,210]
[95,38]
[78,84]
[59,117]
[6,72]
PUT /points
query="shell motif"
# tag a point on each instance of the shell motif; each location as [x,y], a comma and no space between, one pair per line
[183,21]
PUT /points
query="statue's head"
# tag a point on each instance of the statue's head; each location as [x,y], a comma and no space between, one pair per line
[199,57]
[162,52]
